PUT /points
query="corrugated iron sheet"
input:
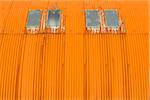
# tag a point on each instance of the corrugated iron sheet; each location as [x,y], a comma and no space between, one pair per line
[74,65]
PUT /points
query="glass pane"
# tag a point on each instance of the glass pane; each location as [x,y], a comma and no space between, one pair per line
[111,18]
[34,18]
[92,18]
[53,18]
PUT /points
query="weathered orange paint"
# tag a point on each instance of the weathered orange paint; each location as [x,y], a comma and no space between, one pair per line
[74,65]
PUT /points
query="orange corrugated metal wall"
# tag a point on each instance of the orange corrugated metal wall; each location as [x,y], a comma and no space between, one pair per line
[74,65]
